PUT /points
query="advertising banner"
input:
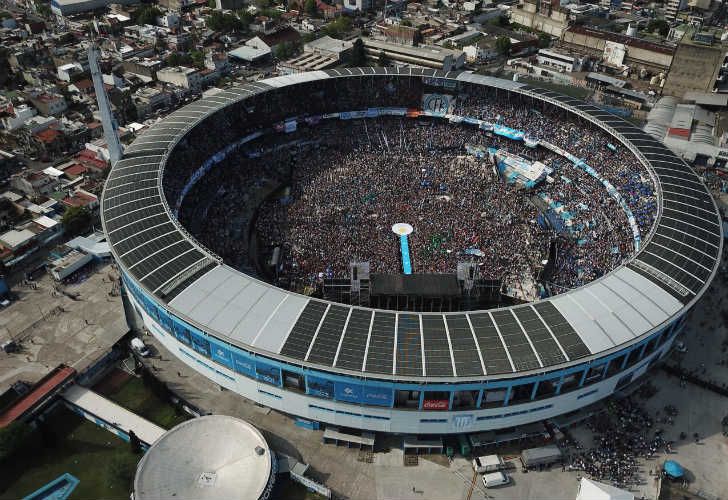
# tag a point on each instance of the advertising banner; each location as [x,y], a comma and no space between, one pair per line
[182,334]
[200,344]
[165,321]
[267,373]
[244,364]
[435,404]
[319,387]
[378,396]
[348,393]
[221,354]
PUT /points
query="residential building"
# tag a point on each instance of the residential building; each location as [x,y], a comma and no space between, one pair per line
[48,104]
[673,8]
[17,117]
[69,7]
[67,72]
[560,60]
[181,76]
[34,183]
[425,56]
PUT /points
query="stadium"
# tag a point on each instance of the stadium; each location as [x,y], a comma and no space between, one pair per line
[409,251]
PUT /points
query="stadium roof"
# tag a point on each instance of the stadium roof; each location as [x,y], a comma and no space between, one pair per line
[673,268]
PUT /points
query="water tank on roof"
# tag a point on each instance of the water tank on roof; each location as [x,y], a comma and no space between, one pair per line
[631,30]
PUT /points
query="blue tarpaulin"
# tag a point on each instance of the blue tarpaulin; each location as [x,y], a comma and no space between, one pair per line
[673,469]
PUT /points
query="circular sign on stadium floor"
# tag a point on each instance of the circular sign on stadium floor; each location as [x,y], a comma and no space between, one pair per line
[402,229]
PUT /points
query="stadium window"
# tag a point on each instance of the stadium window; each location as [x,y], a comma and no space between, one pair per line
[493,398]
[293,381]
[615,366]
[570,382]
[409,400]
[465,400]
[521,393]
[634,356]
[546,388]
[651,345]
[593,375]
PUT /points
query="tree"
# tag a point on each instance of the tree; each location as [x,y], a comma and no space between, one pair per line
[147,15]
[76,220]
[310,7]
[14,439]
[503,44]
[224,22]
[358,55]
[383,60]
[544,40]
[197,57]
[406,22]
[212,4]
[178,59]
[658,25]
[338,27]
[286,50]
[43,9]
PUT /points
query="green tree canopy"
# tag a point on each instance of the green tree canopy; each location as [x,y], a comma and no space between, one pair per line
[310,7]
[658,26]
[14,438]
[383,60]
[224,22]
[178,59]
[147,15]
[76,220]
[338,27]
[197,57]
[503,44]
[544,40]
[358,55]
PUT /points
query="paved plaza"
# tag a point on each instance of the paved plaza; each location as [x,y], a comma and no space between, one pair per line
[74,325]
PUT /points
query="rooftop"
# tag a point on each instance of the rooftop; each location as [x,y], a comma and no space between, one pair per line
[209,457]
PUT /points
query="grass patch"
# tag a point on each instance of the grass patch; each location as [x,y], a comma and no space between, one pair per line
[134,395]
[291,490]
[80,448]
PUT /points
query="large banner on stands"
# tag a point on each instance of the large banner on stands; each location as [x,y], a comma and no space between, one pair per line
[438,104]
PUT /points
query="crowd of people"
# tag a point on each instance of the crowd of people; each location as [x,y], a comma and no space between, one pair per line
[622,435]
[328,194]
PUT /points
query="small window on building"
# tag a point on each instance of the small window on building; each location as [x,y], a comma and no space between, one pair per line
[465,400]
[407,400]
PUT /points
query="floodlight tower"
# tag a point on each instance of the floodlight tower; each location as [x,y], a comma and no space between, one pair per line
[111,133]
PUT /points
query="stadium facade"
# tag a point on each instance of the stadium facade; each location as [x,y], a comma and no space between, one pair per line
[390,371]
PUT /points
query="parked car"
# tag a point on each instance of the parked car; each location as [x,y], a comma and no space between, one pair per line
[494,479]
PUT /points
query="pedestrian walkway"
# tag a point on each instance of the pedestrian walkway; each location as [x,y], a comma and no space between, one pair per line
[111,416]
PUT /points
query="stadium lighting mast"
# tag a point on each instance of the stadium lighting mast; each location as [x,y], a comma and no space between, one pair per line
[111,134]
